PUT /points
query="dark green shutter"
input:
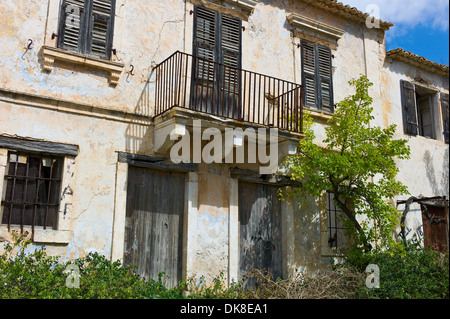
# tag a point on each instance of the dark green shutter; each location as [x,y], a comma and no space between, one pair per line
[409,108]
[87,26]
[217,38]
[101,28]
[309,73]
[324,71]
[205,40]
[230,50]
[445,115]
[72,25]
[317,76]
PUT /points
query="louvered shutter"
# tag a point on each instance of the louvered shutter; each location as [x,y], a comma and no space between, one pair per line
[325,78]
[309,73]
[217,38]
[445,116]
[409,108]
[72,25]
[101,28]
[231,50]
[205,42]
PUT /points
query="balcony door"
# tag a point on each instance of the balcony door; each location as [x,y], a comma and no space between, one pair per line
[216,75]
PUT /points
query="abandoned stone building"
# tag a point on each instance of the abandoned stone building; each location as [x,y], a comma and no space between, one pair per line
[95,95]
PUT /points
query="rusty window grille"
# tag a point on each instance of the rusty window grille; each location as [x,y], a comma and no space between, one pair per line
[31,190]
[336,228]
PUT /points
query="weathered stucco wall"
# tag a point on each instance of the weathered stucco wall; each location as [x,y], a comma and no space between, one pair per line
[90,203]
[426,173]
[143,32]
[77,105]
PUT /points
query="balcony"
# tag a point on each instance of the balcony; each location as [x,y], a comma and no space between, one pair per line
[189,87]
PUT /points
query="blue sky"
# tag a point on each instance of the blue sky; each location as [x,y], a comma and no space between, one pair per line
[421,26]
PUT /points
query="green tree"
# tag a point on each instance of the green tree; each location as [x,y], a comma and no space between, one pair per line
[357,165]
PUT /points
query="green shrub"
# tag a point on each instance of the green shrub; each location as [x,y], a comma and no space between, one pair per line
[28,273]
[410,273]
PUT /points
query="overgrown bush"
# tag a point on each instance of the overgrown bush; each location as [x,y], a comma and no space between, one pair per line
[404,273]
[26,273]
[407,273]
[31,273]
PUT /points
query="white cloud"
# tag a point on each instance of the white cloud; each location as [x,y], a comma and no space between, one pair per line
[408,13]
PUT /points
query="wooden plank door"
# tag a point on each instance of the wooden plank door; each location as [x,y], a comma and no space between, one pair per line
[259,229]
[436,231]
[154,223]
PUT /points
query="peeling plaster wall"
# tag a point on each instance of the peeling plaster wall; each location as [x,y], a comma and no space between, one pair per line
[91,205]
[212,221]
[146,33]
[426,173]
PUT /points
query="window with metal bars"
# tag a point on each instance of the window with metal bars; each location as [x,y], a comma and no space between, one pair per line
[86,26]
[336,227]
[31,190]
[317,76]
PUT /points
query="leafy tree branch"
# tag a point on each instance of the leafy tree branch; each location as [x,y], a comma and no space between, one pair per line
[357,164]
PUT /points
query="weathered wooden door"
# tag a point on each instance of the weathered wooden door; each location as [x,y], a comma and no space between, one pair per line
[260,229]
[436,231]
[154,223]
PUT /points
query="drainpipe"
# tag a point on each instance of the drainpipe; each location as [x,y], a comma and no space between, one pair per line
[364,53]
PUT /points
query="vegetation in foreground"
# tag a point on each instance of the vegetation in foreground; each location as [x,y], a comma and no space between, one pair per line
[30,273]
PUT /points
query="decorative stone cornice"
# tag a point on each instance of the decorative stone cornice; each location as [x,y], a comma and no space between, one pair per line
[51,54]
[248,5]
[302,23]
[346,11]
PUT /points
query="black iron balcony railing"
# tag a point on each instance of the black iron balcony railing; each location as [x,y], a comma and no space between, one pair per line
[186,81]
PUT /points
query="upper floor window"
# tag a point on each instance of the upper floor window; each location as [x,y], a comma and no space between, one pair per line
[317,76]
[86,26]
[421,113]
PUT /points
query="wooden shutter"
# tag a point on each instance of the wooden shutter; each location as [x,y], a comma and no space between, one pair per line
[309,73]
[217,38]
[230,55]
[324,71]
[101,28]
[205,39]
[230,48]
[409,108]
[445,115]
[72,25]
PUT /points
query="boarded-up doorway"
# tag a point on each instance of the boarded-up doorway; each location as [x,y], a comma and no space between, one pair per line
[259,229]
[154,223]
